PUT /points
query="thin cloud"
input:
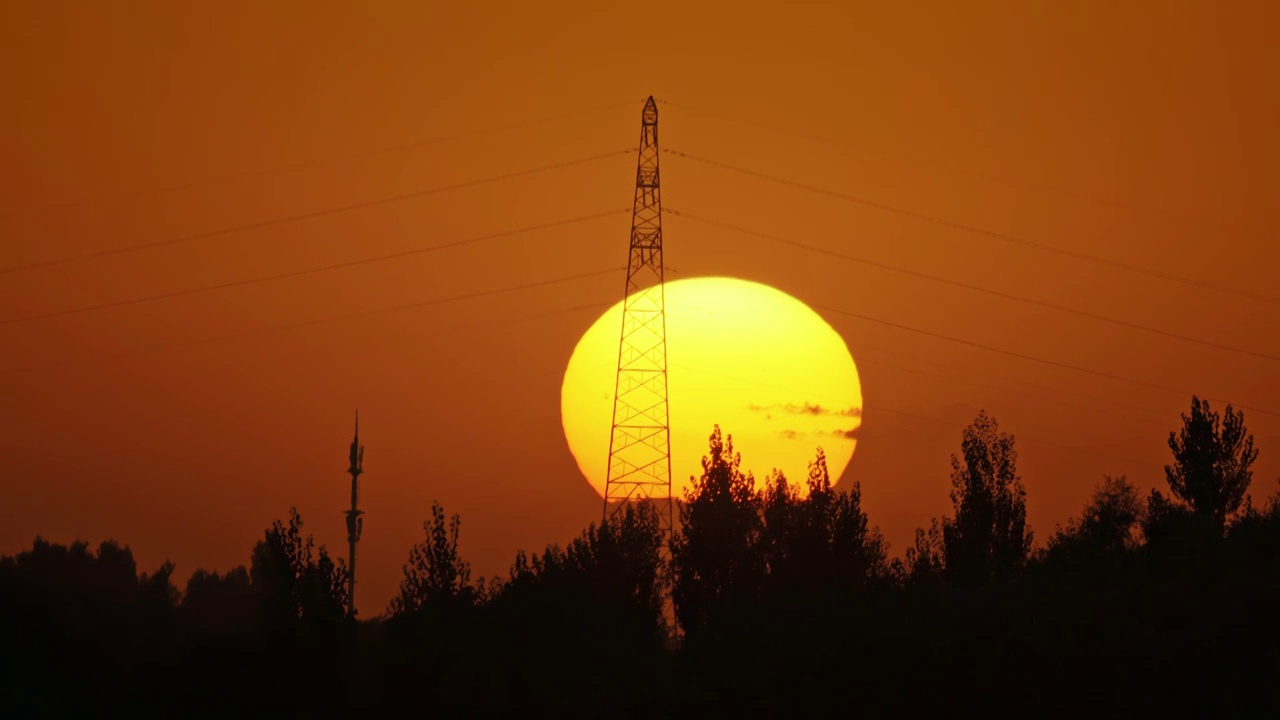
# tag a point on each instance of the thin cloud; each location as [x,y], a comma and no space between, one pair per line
[806,408]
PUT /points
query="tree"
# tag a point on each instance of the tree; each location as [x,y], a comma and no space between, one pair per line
[1212,457]
[924,560]
[218,606]
[84,629]
[1112,515]
[988,536]
[435,575]
[1110,522]
[616,566]
[622,560]
[820,541]
[294,580]
[715,557]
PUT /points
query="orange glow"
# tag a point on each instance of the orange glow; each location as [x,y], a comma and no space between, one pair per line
[1139,132]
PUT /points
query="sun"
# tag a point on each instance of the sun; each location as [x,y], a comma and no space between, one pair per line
[745,356]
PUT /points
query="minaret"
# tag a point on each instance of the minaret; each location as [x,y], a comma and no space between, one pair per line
[355,523]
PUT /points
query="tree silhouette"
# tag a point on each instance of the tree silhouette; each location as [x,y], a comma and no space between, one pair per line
[782,597]
[563,616]
[435,575]
[925,559]
[80,628]
[294,580]
[622,558]
[988,535]
[1212,457]
[218,606]
[823,540]
[715,557]
[1111,521]
[615,565]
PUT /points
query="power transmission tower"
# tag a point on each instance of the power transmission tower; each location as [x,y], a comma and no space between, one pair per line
[639,446]
[355,523]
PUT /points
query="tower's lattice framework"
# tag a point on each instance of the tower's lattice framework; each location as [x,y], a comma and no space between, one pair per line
[639,447]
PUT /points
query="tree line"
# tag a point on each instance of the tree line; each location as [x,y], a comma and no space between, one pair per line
[784,593]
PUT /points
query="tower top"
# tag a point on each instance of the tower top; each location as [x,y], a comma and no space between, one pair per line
[650,114]
[357,452]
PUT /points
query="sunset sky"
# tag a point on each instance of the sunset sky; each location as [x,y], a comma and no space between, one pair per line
[1140,133]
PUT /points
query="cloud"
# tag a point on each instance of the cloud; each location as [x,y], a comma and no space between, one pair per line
[790,434]
[806,408]
[850,434]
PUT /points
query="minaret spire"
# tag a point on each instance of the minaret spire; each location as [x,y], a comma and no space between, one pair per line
[355,523]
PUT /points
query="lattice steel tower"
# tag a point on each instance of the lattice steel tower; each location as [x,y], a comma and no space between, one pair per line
[639,448]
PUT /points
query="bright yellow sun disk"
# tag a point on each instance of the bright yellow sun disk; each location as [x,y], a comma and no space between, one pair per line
[752,359]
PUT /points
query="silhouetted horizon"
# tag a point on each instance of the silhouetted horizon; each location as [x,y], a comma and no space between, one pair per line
[1162,604]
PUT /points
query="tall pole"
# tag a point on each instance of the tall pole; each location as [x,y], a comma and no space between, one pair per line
[639,444]
[355,523]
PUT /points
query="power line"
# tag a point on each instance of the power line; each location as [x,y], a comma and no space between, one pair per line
[1010,390]
[346,316]
[1032,358]
[1030,386]
[1043,391]
[859,362]
[877,408]
[316,213]
[975,230]
[970,382]
[1019,436]
[310,271]
[1207,222]
[975,288]
[318,163]
[1152,421]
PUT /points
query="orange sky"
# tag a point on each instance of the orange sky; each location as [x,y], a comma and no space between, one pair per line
[258,114]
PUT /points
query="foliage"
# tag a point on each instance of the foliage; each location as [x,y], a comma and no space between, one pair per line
[293,579]
[925,559]
[779,591]
[988,536]
[218,605]
[1211,460]
[715,562]
[435,575]
[819,541]
[1111,521]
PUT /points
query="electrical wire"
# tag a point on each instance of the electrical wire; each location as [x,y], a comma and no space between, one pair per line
[1151,421]
[1003,237]
[1032,358]
[949,380]
[1030,386]
[876,408]
[315,213]
[310,271]
[338,318]
[386,150]
[903,368]
[1022,437]
[975,288]
[1203,221]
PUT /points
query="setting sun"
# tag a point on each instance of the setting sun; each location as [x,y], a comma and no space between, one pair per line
[752,359]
